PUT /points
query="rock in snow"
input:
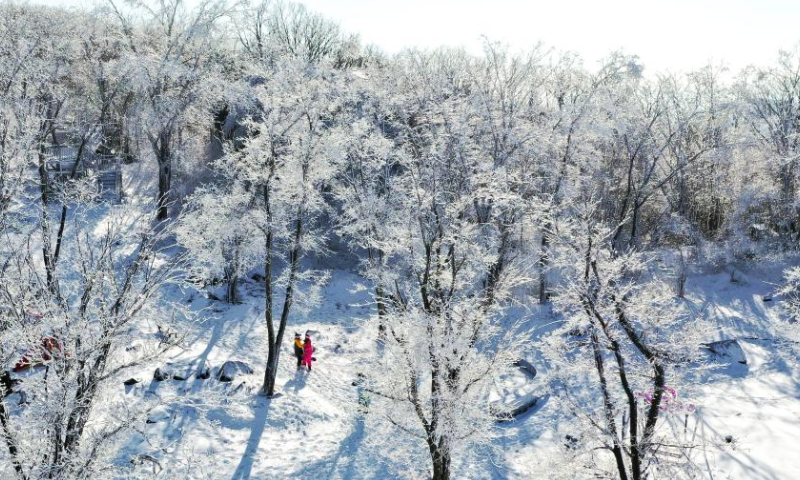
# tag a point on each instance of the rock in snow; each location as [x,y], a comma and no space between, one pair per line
[179,371]
[160,375]
[727,351]
[159,414]
[228,371]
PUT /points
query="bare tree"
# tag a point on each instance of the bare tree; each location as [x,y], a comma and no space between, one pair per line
[633,336]
[177,87]
[772,96]
[75,339]
[269,28]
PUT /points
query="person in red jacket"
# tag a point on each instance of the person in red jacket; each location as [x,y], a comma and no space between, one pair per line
[308,349]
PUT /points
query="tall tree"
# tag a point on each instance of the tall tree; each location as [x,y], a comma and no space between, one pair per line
[454,263]
[172,48]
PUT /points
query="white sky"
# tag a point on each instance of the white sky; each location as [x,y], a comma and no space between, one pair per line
[666,34]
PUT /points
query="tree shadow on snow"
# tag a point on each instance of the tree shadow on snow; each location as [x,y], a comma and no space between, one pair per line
[755,468]
[345,460]
[298,382]
[350,462]
[260,415]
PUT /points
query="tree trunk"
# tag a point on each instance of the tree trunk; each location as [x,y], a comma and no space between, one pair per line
[382,310]
[274,349]
[544,261]
[64,206]
[632,242]
[230,292]
[380,297]
[44,192]
[659,374]
[608,406]
[164,186]
[276,338]
[11,444]
[231,272]
[78,417]
[441,460]
[162,146]
[271,371]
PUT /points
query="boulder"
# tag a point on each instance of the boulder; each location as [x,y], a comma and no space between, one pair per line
[140,460]
[182,371]
[157,415]
[132,381]
[526,367]
[242,387]
[212,296]
[230,369]
[160,375]
[726,351]
[175,371]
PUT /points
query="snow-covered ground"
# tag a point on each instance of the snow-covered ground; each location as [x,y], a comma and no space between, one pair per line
[747,416]
[746,424]
[312,425]
[752,411]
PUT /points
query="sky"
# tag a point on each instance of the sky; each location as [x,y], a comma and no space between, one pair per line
[670,35]
[667,35]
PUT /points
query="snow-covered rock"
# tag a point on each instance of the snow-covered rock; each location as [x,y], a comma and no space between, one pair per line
[516,394]
[230,369]
[204,373]
[526,367]
[161,374]
[160,414]
[180,371]
[727,351]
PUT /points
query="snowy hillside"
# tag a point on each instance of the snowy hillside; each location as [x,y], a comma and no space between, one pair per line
[745,423]
[238,242]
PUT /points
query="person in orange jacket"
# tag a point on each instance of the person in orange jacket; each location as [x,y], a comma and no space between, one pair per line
[298,349]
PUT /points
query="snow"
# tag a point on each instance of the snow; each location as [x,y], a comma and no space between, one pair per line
[762,415]
[444,184]
[314,427]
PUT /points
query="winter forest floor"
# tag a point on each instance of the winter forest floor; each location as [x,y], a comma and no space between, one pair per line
[314,428]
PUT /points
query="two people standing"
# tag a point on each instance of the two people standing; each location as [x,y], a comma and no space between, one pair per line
[303,350]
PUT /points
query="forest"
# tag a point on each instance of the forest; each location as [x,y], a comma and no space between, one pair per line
[510,265]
